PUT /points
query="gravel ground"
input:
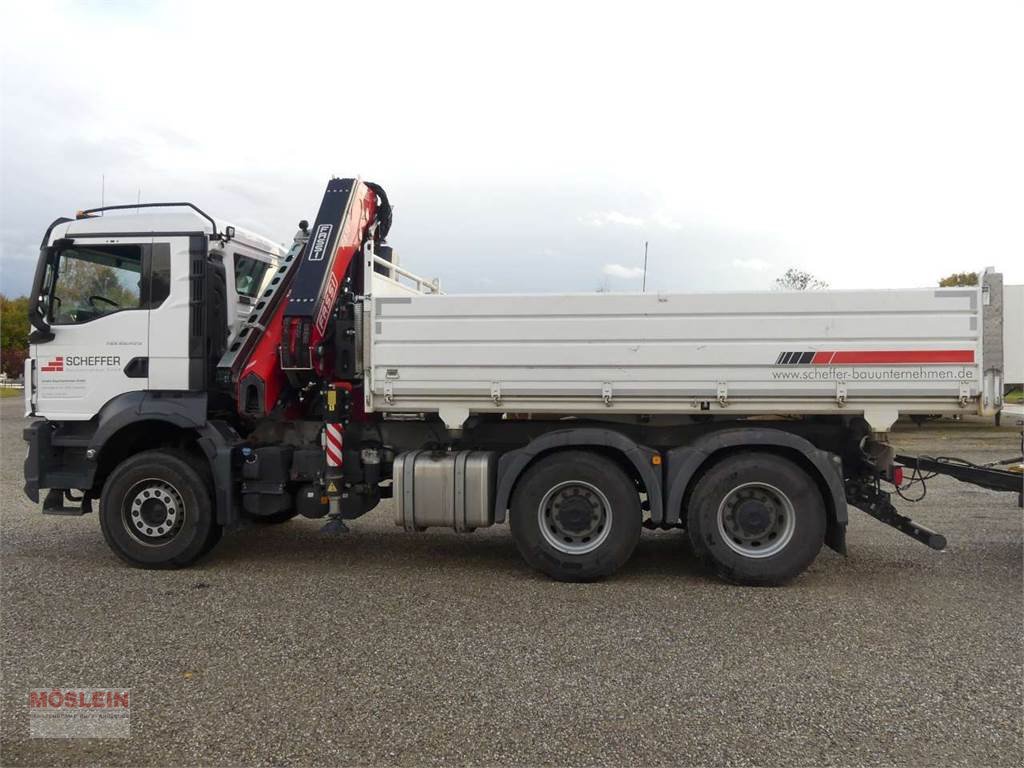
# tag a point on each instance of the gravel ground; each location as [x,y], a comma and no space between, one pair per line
[382,647]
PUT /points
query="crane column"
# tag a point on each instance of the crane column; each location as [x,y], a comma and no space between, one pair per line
[337,401]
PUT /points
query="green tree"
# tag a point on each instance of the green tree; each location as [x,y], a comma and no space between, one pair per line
[14,327]
[959,279]
[14,330]
[797,280]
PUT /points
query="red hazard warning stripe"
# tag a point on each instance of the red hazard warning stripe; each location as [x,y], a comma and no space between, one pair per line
[893,356]
[333,444]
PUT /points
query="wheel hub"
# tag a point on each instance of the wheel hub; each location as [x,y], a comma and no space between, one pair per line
[574,517]
[153,512]
[753,516]
[575,514]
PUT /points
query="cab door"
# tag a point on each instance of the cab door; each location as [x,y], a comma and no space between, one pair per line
[98,308]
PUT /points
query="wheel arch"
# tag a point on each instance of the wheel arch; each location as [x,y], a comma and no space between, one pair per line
[685,465]
[635,459]
[147,420]
[142,435]
[129,420]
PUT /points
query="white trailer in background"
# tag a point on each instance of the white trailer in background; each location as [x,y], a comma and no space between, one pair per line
[1013,335]
[752,420]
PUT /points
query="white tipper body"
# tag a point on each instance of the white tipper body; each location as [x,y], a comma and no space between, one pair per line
[877,353]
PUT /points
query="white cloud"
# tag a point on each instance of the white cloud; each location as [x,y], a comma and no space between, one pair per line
[617,270]
[617,218]
[666,222]
[753,263]
[613,217]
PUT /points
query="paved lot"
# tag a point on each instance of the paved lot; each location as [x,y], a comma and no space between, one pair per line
[389,648]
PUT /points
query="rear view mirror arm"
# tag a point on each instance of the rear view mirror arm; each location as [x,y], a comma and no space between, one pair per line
[47,253]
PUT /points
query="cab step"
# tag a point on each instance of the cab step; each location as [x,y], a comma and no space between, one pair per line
[53,504]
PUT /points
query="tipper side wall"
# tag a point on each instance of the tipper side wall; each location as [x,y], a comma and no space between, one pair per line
[798,352]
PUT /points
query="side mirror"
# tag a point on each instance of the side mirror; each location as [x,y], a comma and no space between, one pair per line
[36,316]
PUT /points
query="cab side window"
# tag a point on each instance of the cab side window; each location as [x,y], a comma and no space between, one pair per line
[92,282]
[249,275]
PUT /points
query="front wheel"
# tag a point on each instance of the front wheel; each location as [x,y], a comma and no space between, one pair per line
[156,511]
[757,518]
[576,516]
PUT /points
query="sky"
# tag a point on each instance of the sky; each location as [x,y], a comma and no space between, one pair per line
[538,146]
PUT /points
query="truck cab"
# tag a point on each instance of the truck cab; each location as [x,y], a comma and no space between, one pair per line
[136,301]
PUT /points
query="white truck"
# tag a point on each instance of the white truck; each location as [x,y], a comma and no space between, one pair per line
[752,420]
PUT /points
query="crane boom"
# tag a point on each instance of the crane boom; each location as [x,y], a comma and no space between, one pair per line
[287,337]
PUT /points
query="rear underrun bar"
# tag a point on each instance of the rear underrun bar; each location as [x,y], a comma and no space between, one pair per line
[877,503]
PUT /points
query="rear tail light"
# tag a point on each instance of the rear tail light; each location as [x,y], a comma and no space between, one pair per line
[897,475]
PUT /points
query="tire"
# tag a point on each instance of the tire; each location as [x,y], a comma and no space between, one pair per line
[275,519]
[211,541]
[156,511]
[757,519]
[600,522]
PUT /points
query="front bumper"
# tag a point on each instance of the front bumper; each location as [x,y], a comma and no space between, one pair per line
[53,466]
[37,435]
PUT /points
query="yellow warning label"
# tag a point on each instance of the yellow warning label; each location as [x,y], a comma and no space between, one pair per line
[332,488]
[332,399]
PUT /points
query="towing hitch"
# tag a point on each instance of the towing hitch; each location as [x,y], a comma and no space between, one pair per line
[878,504]
[991,476]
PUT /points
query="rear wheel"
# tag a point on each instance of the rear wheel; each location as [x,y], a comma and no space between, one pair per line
[576,516]
[757,518]
[156,511]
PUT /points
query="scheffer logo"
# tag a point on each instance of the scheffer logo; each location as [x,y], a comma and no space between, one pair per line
[61,362]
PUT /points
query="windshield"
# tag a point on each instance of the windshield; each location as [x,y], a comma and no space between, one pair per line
[92,282]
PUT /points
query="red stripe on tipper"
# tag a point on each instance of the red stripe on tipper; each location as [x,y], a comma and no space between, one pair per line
[333,444]
[895,356]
